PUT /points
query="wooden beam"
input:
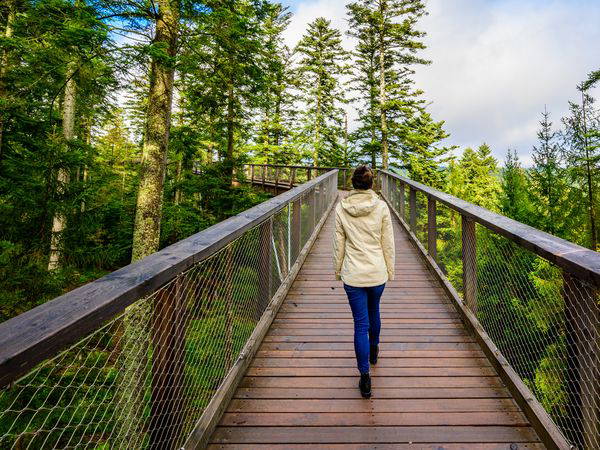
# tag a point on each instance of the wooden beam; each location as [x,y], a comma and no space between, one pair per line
[402,200]
[169,324]
[431,228]
[582,339]
[469,261]
[412,200]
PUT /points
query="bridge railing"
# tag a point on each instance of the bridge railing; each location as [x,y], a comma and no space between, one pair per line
[148,356]
[286,176]
[530,298]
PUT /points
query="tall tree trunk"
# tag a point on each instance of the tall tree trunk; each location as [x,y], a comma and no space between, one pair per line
[589,181]
[4,65]
[230,129]
[382,90]
[146,234]
[135,329]
[68,126]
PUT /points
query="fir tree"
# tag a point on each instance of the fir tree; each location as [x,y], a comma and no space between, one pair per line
[388,27]
[322,63]
[514,198]
[547,179]
[582,154]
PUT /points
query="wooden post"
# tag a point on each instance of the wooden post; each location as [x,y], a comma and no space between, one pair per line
[308,173]
[344,179]
[296,228]
[276,179]
[582,332]
[252,173]
[412,200]
[469,260]
[312,206]
[292,177]
[402,200]
[227,293]
[431,227]
[264,266]
[168,360]
[264,175]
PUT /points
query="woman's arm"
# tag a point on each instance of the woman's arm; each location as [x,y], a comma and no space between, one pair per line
[339,245]
[387,243]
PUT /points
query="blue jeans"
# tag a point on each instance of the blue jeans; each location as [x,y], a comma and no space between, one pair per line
[364,302]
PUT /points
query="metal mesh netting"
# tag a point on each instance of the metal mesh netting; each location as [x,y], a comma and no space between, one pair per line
[544,320]
[145,377]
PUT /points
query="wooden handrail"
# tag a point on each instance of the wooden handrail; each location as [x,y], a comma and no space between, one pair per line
[39,333]
[580,261]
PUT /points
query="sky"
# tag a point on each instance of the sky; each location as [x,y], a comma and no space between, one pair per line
[496,64]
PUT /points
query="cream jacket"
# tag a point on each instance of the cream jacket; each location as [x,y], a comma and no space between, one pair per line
[363,245]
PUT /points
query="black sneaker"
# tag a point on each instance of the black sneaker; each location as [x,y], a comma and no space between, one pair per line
[373,352]
[365,385]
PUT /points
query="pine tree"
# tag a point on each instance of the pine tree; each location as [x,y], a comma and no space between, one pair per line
[323,61]
[514,198]
[365,84]
[547,179]
[424,160]
[277,111]
[226,74]
[475,178]
[582,154]
[388,27]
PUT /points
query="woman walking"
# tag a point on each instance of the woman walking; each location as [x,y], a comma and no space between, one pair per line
[364,257]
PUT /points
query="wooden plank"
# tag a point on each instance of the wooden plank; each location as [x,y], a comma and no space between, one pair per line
[336,372]
[388,327]
[383,381]
[368,446]
[385,362]
[383,353]
[386,332]
[353,393]
[350,339]
[374,434]
[377,404]
[389,346]
[354,419]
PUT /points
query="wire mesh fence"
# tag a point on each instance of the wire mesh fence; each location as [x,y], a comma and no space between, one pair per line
[144,378]
[544,319]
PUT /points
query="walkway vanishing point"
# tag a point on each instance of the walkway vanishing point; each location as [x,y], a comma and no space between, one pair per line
[239,337]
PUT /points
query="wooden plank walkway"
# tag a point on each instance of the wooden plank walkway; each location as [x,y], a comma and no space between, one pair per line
[432,387]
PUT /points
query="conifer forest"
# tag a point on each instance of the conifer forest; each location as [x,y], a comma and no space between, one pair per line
[125,125]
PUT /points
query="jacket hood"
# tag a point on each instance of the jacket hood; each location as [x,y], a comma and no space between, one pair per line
[360,203]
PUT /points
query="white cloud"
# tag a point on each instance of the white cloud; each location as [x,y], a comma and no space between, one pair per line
[495,63]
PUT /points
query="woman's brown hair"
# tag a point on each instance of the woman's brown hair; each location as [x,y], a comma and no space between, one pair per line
[362,178]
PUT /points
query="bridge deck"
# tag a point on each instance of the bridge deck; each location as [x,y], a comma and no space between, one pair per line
[432,388]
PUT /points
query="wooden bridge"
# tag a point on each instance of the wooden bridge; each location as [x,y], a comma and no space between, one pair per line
[240,337]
